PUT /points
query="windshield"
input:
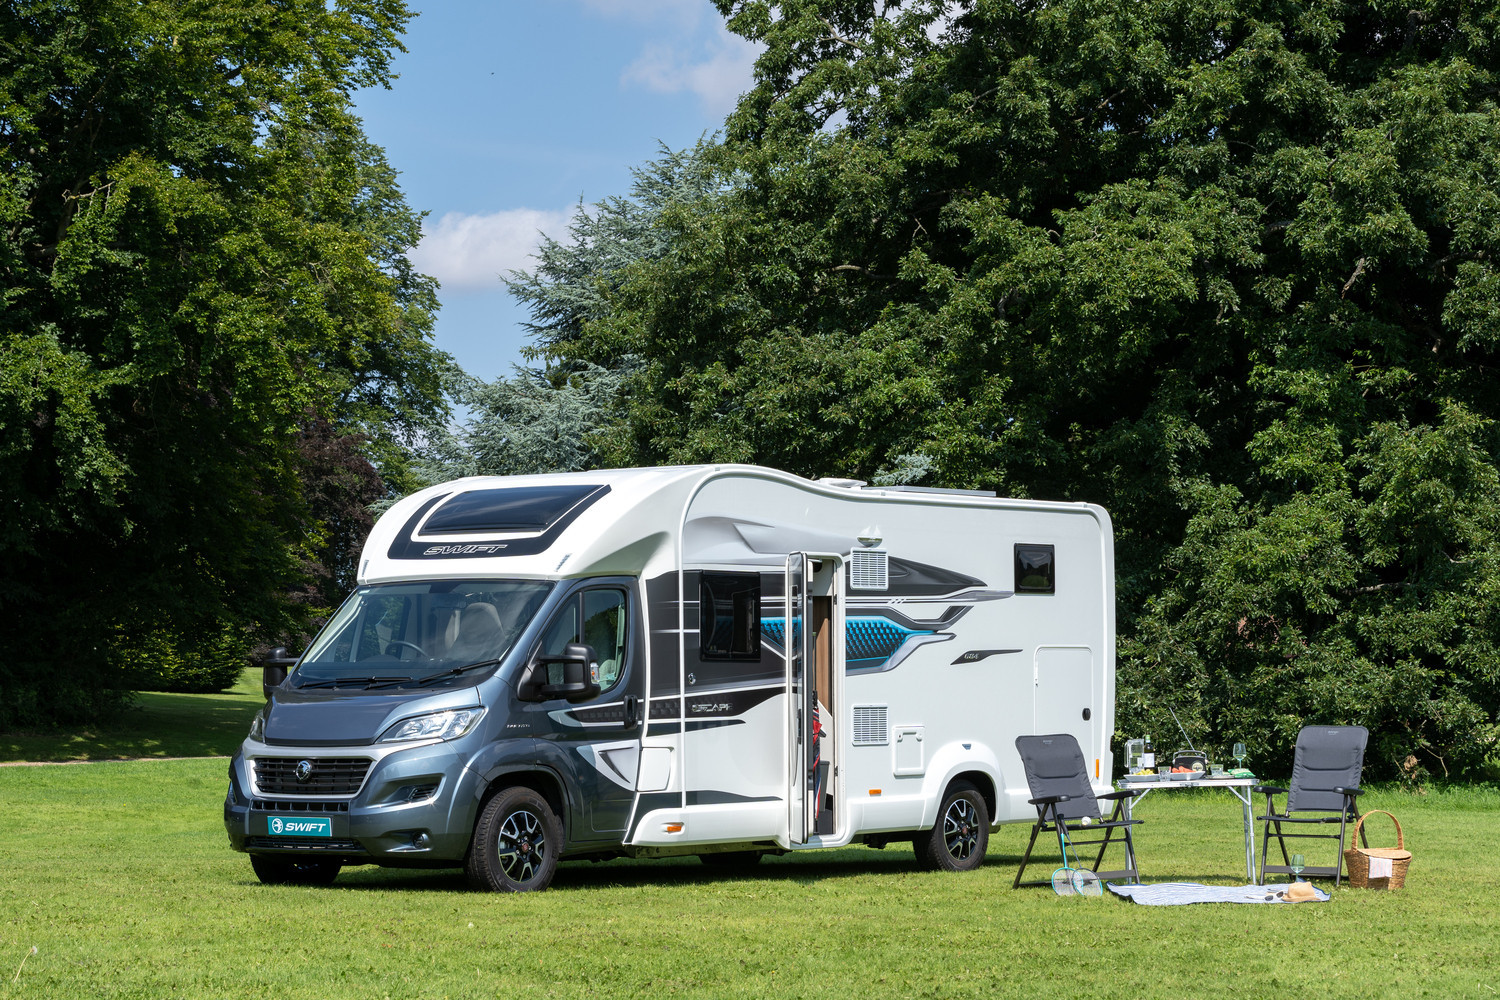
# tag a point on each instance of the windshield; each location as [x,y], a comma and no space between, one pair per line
[419,634]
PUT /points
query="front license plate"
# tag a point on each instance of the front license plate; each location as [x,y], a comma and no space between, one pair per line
[299,826]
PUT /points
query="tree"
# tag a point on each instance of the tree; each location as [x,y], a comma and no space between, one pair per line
[201,257]
[1227,268]
[553,418]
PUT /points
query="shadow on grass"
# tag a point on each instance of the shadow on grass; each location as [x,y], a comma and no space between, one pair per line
[663,872]
[157,725]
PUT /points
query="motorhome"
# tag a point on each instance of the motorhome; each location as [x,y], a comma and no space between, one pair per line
[722,661]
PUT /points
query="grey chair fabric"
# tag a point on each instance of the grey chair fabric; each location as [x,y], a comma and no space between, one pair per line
[1058,776]
[1325,784]
[1055,765]
[1327,757]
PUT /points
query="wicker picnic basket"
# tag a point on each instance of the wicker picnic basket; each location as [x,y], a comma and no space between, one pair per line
[1357,859]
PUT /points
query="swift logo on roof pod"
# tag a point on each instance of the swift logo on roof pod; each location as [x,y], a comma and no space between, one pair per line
[460,550]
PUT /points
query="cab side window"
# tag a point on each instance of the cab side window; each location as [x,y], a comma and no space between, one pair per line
[594,617]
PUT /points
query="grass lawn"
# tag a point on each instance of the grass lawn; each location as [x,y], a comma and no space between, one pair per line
[121,877]
[158,725]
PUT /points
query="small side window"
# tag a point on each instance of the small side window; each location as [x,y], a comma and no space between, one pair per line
[1035,569]
[729,610]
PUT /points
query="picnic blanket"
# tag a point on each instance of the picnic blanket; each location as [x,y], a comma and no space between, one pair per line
[1182,893]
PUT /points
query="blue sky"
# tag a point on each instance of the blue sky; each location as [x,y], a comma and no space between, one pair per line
[507,112]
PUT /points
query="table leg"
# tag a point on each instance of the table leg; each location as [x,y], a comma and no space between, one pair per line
[1249,835]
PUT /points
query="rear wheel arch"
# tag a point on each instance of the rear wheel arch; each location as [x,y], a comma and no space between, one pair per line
[983,782]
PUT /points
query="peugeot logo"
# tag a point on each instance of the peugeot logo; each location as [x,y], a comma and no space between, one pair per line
[303,771]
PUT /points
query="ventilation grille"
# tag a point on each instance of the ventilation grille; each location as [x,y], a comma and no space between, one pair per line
[868,570]
[267,805]
[870,726]
[329,775]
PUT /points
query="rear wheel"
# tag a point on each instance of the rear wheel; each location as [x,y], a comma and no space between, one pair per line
[516,843]
[958,840]
[276,869]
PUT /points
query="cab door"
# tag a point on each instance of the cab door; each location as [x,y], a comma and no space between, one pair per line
[602,734]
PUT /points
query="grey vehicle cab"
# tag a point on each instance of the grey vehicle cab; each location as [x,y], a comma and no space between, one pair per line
[722,661]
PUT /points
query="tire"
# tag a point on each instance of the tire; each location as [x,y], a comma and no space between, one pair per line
[516,843]
[276,869]
[958,840]
[731,859]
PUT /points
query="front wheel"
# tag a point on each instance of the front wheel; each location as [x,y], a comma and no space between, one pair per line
[516,843]
[276,869]
[958,840]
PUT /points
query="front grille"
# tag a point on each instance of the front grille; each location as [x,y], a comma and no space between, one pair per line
[267,805]
[320,845]
[330,775]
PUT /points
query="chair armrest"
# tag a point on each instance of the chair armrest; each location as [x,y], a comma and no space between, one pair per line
[1351,792]
[1047,800]
[1268,789]
[1124,793]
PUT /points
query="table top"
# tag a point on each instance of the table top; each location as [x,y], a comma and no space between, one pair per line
[1132,781]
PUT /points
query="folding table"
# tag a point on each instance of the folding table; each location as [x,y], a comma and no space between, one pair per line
[1238,787]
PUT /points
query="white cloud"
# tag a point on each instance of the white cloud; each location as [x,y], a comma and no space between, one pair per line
[717,70]
[472,251]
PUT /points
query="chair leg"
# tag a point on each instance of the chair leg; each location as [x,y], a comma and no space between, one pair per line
[1108,834]
[1036,828]
[1338,861]
[1265,847]
[1135,872]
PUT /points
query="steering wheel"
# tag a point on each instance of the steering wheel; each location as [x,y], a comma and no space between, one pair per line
[401,642]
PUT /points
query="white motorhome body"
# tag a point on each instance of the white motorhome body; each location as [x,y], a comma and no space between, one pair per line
[808,663]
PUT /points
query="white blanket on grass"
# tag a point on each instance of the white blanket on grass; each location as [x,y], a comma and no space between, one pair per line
[1182,893]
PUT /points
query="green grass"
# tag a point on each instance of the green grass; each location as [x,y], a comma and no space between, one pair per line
[121,876]
[158,725]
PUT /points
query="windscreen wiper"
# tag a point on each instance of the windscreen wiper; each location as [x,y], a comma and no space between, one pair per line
[458,670]
[376,682]
[366,682]
[333,682]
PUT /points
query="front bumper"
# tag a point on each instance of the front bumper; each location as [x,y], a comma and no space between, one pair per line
[415,807]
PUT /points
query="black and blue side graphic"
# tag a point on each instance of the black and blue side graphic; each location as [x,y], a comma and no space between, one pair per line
[872,643]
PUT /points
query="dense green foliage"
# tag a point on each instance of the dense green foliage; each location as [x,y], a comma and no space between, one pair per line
[201,257]
[1227,268]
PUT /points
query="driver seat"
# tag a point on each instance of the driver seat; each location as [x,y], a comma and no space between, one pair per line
[481,633]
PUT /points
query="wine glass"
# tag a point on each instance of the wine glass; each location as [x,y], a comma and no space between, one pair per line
[1298,863]
[1238,753]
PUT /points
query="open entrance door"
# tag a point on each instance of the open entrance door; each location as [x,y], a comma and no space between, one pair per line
[814,684]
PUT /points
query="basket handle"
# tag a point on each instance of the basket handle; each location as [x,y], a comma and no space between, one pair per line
[1400,839]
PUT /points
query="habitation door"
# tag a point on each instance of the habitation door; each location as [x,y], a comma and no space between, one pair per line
[1067,697]
[801,709]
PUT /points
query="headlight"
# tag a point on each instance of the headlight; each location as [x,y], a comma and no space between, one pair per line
[258,727]
[435,726]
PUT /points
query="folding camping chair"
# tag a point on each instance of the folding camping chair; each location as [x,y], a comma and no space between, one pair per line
[1325,779]
[1059,780]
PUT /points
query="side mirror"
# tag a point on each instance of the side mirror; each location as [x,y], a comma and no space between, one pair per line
[580,673]
[274,668]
